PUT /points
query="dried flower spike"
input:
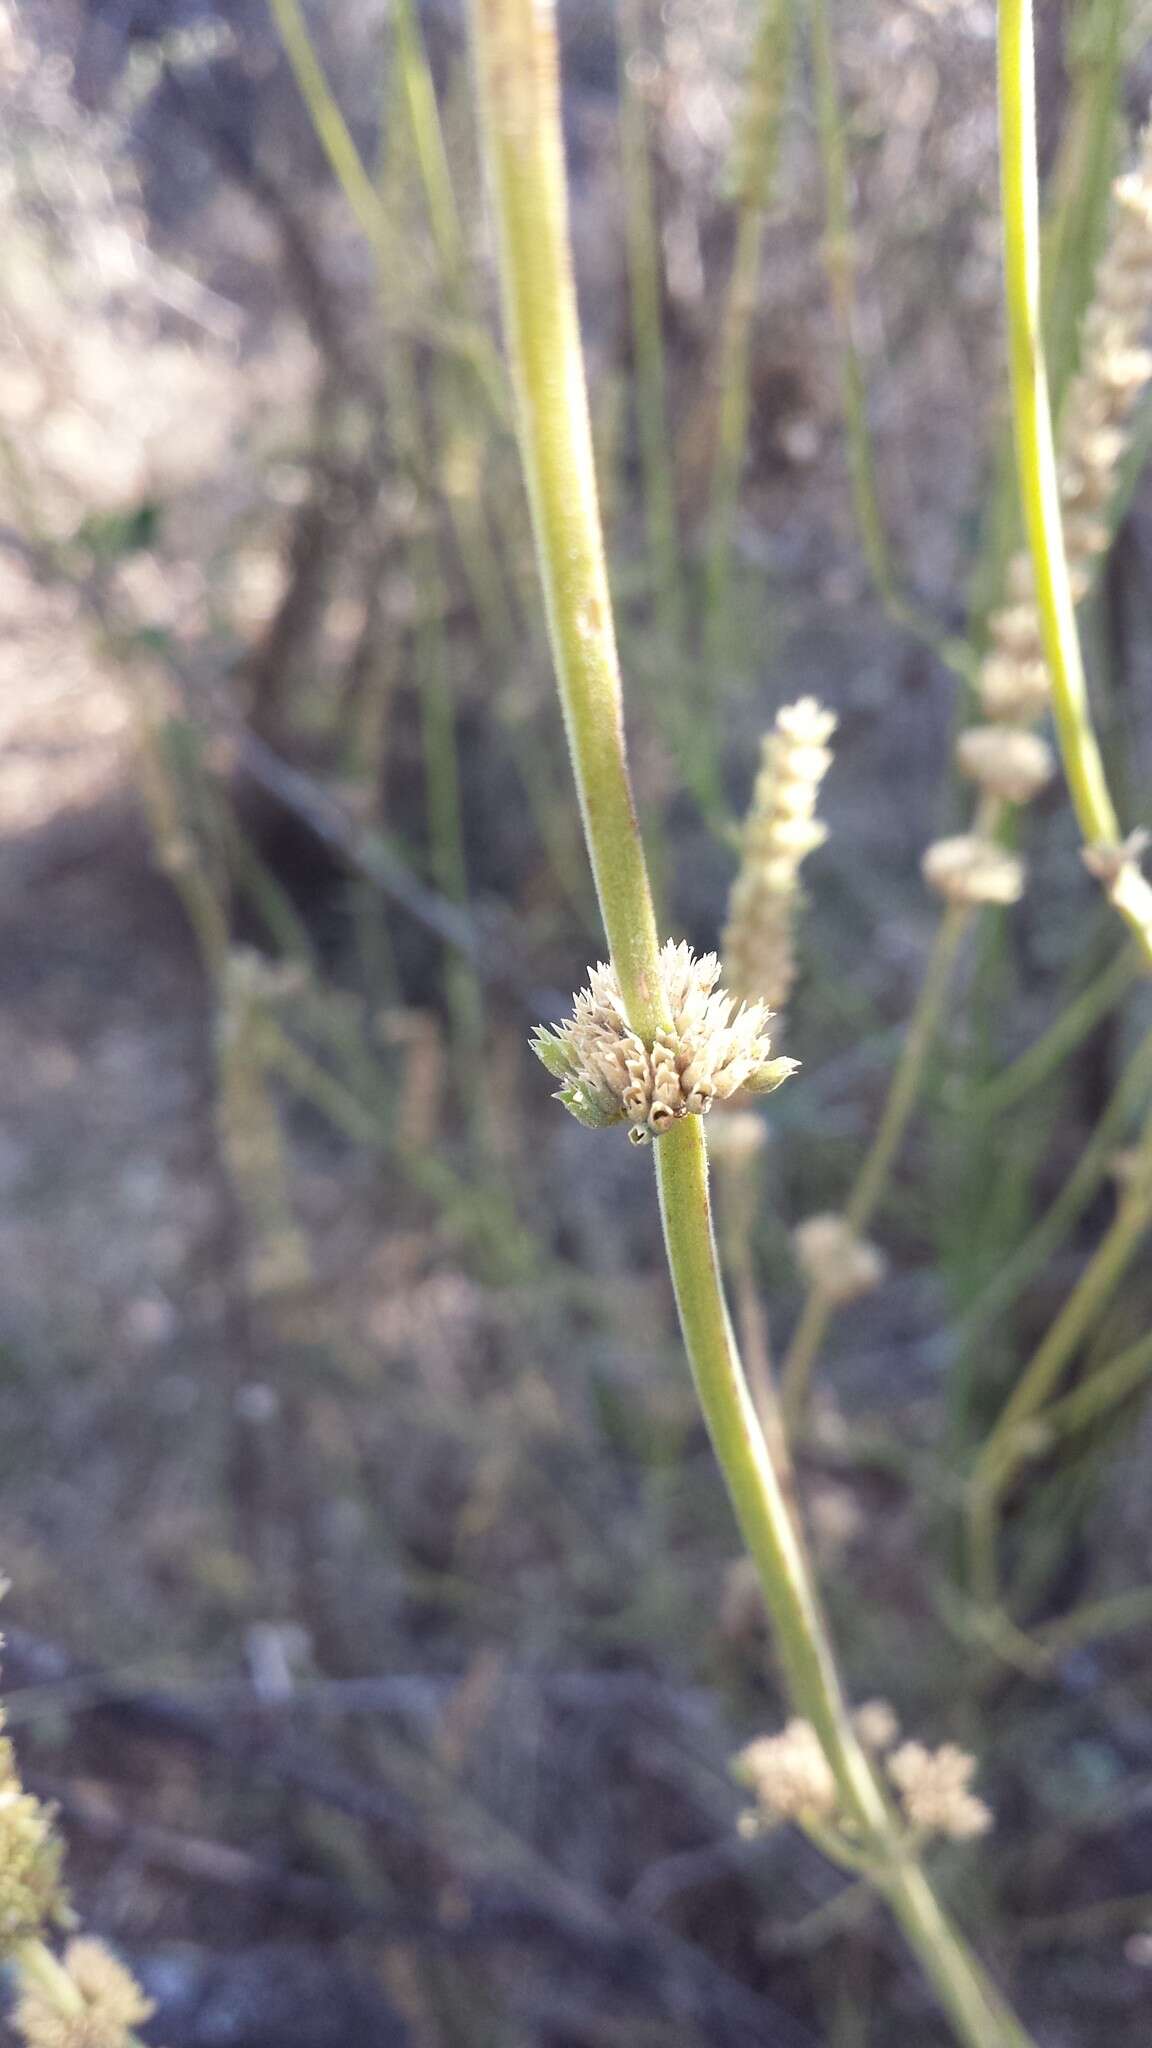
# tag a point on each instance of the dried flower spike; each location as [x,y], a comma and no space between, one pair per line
[834,1259]
[712,1049]
[1005,761]
[789,1776]
[110,2004]
[1095,433]
[32,1896]
[781,829]
[972,870]
[934,1790]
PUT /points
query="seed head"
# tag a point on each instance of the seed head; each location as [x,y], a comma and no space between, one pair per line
[934,1790]
[1014,687]
[789,1776]
[781,829]
[112,2003]
[1006,761]
[835,1260]
[32,1896]
[876,1724]
[972,870]
[712,1049]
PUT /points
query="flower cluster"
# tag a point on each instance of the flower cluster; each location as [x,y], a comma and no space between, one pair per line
[789,1777]
[87,2000]
[781,829]
[934,1787]
[877,1725]
[1094,435]
[108,2003]
[710,1050]
[32,1896]
[969,869]
[835,1260]
[1006,760]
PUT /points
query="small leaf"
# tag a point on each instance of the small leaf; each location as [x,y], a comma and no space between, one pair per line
[551,1049]
[771,1076]
[586,1109]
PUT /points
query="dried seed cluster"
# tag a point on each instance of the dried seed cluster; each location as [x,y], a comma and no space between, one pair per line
[781,829]
[110,2003]
[712,1049]
[789,1777]
[32,1896]
[969,869]
[834,1259]
[934,1787]
[877,1725]
[1094,435]
[1008,762]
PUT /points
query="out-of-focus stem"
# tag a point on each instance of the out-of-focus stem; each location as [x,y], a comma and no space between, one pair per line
[1036,467]
[757,152]
[867,1192]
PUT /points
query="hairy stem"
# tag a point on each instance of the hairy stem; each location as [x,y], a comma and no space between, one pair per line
[519,94]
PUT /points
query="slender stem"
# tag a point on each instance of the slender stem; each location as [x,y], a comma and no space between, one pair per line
[519,90]
[1108,1386]
[757,152]
[1045,1239]
[1005,1449]
[1036,464]
[519,93]
[775,1543]
[428,137]
[868,1189]
[840,264]
[331,128]
[648,327]
[1076,1019]
[1081,179]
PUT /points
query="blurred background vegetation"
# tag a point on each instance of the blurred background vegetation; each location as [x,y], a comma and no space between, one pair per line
[376,1614]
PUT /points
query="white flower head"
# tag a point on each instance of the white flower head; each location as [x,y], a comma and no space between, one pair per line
[711,1050]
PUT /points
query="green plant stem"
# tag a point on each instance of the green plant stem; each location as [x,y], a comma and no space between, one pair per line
[331,128]
[757,153]
[1081,180]
[1108,1386]
[1076,1019]
[1036,461]
[840,264]
[1005,1449]
[519,91]
[428,137]
[819,1306]
[1045,1239]
[648,329]
[519,98]
[774,1542]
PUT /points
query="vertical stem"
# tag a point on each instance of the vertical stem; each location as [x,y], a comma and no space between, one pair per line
[840,259]
[1032,424]
[644,272]
[757,151]
[872,1179]
[519,90]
